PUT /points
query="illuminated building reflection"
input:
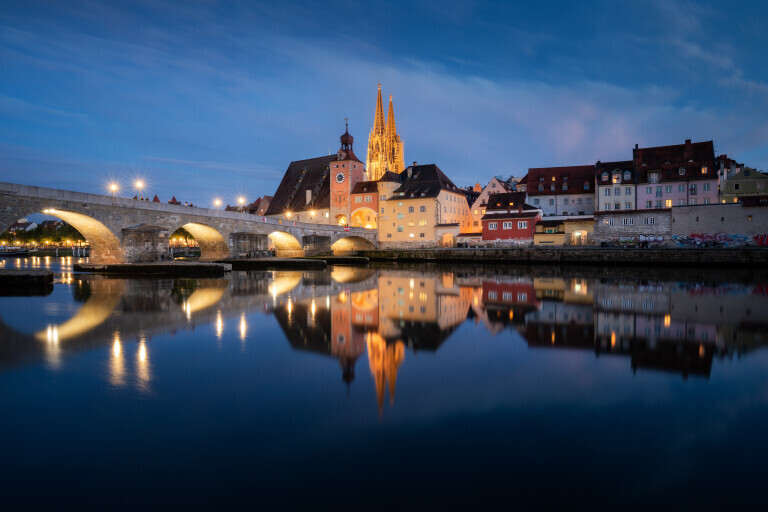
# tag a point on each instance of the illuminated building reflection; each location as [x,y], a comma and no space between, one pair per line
[116,363]
[143,370]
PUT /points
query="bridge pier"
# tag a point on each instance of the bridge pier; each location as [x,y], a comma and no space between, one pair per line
[249,245]
[316,245]
[142,244]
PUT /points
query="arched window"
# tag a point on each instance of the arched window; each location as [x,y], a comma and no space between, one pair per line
[586,185]
[627,175]
[604,176]
[541,188]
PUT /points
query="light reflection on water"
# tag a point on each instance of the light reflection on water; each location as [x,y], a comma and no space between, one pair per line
[317,358]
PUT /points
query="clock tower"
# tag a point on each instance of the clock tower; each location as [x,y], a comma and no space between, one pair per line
[346,171]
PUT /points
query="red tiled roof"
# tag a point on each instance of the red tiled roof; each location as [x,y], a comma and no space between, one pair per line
[578,179]
[610,168]
[692,157]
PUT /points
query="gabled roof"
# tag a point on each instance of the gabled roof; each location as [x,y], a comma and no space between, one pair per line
[424,181]
[302,175]
[390,176]
[365,187]
[507,200]
[670,159]
[610,168]
[577,179]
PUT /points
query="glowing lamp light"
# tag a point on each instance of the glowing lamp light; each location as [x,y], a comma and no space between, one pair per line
[312,213]
[241,201]
[287,214]
[217,202]
[139,184]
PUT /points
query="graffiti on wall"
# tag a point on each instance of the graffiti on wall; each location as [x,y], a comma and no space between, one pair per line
[653,239]
[761,240]
[711,240]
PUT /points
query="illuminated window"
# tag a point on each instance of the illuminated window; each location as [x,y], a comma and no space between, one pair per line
[668,203]
[423,222]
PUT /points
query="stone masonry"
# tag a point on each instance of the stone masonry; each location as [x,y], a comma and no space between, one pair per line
[119,230]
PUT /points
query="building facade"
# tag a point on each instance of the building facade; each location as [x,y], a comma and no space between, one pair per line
[633,227]
[385,147]
[561,191]
[616,188]
[678,175]
[494,186]
[509,218]
[746,182]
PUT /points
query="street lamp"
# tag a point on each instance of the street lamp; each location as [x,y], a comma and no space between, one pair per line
[217,203]
[241,202]
[114,187]
[139,185]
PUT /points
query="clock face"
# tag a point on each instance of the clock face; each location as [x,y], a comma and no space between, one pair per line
[340,177]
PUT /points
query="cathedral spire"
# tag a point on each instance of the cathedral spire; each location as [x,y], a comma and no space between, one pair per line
[378,122]
[391,129]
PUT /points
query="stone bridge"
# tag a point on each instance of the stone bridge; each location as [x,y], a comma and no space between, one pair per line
[122,230]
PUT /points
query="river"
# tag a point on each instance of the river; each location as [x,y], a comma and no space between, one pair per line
[386,387]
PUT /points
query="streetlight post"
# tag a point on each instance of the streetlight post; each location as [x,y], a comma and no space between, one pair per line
[241,202]
[139,185]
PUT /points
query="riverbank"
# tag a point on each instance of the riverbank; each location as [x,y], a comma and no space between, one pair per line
[662,256]
[161,269]
[25,282]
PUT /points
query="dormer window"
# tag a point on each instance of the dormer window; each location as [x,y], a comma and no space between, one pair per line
[654,177]
[586,185]
[616,177]
[565,178]
[541,188]
[604,176]
[627,175]
[552,187]
[565,187]
[681,171]
[541,178]
[704,170]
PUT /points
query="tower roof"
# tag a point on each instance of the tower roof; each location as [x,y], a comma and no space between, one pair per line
[391,128]
[378,121]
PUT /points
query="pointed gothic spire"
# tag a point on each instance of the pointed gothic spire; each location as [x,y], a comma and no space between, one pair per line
[391,129]
[378,122]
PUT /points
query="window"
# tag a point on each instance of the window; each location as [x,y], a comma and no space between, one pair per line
[736,186]
[668,188]
[400,215]
[358,199]
[367,199]
[506,225]
[476,212]
[422,209]
[410,209]
[706,200]
[649,190]
[617,191]
[492,295]
[628,222]
[589,200]
[668,203]
[607,192]
[627,191]
[610,222]
[522,297]
[681,188]
[680,202]
[658,204]
[658,192]
[551,202]
[649,220]
[382,211]
[648,204]
[410,223]
[421,235]
[654,177]
[400,203]
[705,186]
[389,235]
[586,185]
[565,186]
[627,175]
[565,201]
[693,201]
[580,200]
[541,188]
[627,206]
[617,206]
[492,225]
[399,229]
[536,202]
[382,197]
[681,171]
[616,178]
[482,211]
[693,189]
[423,222]
[552,187]
[704,170]
[607,206]
[522,224]
[604,176]
[506,296]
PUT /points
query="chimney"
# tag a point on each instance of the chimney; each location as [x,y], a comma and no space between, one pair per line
[409,171]
[415,163]
[309,196]
[636,146]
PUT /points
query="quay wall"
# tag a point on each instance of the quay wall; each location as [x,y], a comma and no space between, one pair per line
[657,256]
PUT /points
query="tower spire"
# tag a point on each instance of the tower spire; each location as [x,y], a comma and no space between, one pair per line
[391,128]
[378,122]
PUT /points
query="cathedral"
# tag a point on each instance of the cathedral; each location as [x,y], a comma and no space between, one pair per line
[385,148]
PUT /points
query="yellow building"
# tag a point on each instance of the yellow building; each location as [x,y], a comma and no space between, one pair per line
[385,148]
[425,210]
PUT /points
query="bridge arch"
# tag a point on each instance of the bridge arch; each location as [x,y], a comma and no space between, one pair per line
[213,245]
[105,245]
[364,217]
[286,245]
[351,244]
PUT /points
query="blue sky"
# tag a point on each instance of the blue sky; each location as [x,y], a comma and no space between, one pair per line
[207,99]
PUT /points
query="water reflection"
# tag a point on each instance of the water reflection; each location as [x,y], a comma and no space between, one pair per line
[350,313]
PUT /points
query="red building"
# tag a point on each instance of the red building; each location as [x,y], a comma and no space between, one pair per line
[508,217]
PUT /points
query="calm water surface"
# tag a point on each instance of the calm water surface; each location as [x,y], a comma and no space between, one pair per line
[385,388]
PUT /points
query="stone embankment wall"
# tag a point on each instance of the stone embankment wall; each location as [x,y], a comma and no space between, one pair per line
[662,256]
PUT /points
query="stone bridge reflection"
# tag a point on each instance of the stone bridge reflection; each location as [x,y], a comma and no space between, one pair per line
[349,313]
